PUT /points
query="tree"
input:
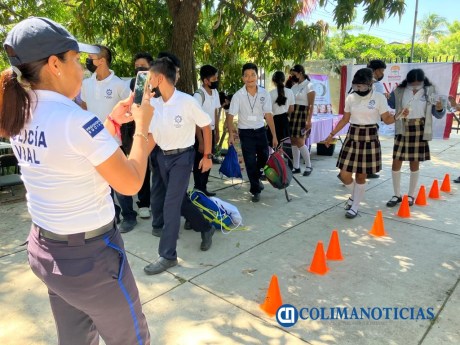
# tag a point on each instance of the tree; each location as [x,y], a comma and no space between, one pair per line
[431,26]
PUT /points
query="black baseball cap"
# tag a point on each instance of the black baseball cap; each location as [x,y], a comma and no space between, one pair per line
[37,38]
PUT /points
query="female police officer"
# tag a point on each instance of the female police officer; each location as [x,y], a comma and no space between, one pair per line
[68,159]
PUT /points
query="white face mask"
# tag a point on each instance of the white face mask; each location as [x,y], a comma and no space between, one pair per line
[414,87]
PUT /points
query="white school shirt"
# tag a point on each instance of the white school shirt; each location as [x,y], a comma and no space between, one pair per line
[250,109]
[301,91]
[415,103]
[366,110]
[210,104]
[277,109]
[58,151]
[174,122]
[101,96]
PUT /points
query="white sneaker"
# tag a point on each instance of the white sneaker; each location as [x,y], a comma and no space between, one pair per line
[144,212]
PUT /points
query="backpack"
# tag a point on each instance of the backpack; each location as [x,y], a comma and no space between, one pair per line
[230,166]
[277,172]
[213,212]
[201,93]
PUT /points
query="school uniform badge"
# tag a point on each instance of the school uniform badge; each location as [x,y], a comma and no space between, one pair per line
[178,121]
[371,104]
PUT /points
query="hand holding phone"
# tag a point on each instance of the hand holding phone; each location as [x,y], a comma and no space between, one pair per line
[139,86]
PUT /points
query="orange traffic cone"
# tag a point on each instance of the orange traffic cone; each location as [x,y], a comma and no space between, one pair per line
[404,211]
[445,186]
[318,264]
[434,191]
[378,228]
[333,250]
[421,197]
[273,299]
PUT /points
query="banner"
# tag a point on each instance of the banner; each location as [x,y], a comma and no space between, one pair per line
[323,103]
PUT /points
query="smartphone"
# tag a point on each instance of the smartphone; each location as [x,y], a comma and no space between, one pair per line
[139,86]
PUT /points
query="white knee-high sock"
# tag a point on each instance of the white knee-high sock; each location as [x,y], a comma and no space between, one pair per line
[358,195]
[396,178]
[296,157]
[350,187]
[305,155]
[413,182]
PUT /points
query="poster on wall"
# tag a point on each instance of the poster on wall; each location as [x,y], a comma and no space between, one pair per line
[323,103]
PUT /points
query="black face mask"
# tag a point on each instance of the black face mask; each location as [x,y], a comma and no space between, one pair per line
[295,79]
[362,93]
[157,91]
[90,66]
[138,69]
[214,85]
[378,79]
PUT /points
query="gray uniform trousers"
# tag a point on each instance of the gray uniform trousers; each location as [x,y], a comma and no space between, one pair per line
[91,288]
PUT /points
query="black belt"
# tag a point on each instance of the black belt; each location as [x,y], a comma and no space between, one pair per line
[260,129]
[176,151]
[88,235]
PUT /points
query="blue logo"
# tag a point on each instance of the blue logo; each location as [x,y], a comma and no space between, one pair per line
[371,104]
[108,92]
[287,315]
[93,126]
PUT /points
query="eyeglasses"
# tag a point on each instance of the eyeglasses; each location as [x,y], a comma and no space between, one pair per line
[360,87]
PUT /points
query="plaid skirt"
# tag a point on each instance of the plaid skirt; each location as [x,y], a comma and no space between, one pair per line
[360,151]
[298,120]
[410,146]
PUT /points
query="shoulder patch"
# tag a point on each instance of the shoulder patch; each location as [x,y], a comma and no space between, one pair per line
[93,127]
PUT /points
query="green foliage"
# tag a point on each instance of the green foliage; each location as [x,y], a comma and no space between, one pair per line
[431,26]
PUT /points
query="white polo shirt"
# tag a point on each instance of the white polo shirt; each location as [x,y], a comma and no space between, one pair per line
[58,151]
[301,91]
[101,96]
[173,123]
[210,104]
[415,103]
[277,109]
[250,109]
[366,110]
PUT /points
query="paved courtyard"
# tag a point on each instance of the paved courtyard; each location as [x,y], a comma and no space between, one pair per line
[213,297]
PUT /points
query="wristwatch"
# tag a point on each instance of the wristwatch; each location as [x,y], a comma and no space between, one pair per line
[208,156]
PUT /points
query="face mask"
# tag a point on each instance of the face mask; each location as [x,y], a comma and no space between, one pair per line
[362,93]
[295,79]
[90,65]
[414,87]
[138,69]
[378,79]
[214,85]
[157,91]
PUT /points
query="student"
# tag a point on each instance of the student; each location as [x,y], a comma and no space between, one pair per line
[74,247]
[252,104]
[208,98]
[414,99]
[173,128]
[282,104]
[300,119]
[360,153]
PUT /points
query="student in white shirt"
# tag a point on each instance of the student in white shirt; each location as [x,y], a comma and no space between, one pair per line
[252,104]
[300,119]
[173,128]
[360,153]
[413,98]
[68,158]
[208,98]
[283,104]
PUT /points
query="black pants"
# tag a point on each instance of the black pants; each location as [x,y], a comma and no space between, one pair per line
[254,145]
[200,178]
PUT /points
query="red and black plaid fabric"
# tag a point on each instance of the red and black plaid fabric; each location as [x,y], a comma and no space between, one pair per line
[361,152]
[297,120]
[410,146]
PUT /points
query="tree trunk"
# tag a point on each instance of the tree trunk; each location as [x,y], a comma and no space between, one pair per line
[185,16]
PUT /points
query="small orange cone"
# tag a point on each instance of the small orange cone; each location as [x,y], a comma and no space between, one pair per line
[333,250]
[318,264]
[273,299]
[434,191]
[445,186]
[404,211]
[378,228]
[421,197]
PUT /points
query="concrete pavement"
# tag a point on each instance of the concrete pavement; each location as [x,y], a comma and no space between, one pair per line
[213,297]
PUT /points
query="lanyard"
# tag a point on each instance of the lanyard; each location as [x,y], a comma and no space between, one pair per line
[254,104]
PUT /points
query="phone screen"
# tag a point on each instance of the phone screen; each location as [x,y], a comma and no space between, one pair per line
[139,86]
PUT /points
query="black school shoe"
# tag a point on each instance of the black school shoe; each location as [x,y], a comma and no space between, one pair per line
[206,239]
[160,265]
[296,171]
[394,201]
[373,175]
[457,180]
[256,197]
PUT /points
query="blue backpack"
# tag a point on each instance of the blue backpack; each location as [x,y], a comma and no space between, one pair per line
[230,166]
[217,216]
